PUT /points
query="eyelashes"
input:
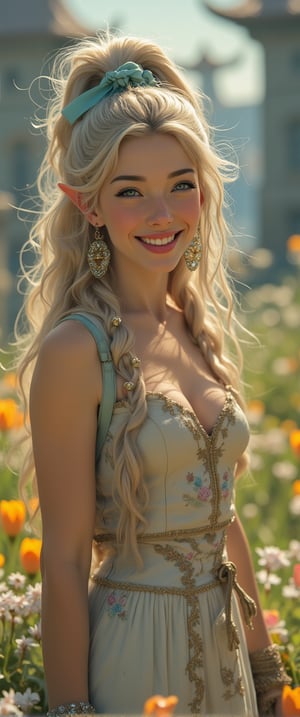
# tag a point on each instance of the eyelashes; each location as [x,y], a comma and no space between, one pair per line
[183,186]
[131,192]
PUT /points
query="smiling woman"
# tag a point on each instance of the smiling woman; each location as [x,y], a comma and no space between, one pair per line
[137,429]
[156,213]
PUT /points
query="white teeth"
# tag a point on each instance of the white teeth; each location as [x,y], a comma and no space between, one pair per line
[158,242]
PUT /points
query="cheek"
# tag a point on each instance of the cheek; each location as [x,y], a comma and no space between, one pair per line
[191,208]
[123,216]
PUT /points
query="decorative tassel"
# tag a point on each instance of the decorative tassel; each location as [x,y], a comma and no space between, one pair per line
[227,576]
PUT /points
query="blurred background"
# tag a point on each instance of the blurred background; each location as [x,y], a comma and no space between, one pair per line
[244,55]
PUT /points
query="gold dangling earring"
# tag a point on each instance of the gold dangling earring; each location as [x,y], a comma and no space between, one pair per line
[98,255]
[193,253]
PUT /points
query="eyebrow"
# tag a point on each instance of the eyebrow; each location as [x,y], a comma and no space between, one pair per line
[139,178]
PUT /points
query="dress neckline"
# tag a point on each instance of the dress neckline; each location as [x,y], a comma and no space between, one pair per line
[186,410]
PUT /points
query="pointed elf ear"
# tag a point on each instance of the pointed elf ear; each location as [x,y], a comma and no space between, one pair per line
[75,196]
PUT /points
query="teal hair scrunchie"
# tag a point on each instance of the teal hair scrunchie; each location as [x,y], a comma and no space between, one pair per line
[129,74]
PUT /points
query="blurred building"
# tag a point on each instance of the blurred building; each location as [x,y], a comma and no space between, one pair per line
[31,32]
[276,25]
[238,134]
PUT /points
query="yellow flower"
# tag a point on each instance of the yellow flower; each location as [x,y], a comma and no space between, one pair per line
[290,701]
[30,551]
[12,514]
[295,441]
[2,560]
[10,415]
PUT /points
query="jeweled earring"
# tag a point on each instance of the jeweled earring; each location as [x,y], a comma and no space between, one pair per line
[193,253]
[98,255]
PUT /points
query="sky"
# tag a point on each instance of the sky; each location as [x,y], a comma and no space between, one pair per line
[186,30]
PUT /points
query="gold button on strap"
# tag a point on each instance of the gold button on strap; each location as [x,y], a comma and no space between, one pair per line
[129,385]
[116,321]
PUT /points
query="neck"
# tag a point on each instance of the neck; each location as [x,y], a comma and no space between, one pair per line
[142,293]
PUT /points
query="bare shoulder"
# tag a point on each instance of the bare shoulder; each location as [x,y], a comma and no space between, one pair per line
[69,355]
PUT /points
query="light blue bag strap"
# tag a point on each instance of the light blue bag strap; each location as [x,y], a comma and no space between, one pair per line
[108,373]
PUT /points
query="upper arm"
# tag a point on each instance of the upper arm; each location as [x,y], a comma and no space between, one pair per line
[64,396]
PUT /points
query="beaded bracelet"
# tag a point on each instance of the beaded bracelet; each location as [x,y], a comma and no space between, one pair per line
[269,677]
[72,708]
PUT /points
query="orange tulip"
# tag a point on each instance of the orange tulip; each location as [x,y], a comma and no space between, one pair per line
[10,415]
[2,560]
[293,243]
[30,551]
[291,701]
[296,487]
[295,441]
[160,706]
[12,514]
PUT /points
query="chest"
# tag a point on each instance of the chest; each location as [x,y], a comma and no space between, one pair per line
[173,365]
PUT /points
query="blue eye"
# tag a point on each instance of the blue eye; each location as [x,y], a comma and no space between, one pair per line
[130,192]
[183,186]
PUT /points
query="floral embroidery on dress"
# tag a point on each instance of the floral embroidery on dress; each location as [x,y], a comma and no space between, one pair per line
[115,604]
[233,684]
[225,485]
[200,487]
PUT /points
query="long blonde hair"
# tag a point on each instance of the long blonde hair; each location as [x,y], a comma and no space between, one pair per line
[83,156]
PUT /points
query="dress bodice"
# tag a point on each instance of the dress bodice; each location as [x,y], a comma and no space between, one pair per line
[188,472]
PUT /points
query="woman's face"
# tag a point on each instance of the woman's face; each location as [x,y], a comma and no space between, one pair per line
[151,204]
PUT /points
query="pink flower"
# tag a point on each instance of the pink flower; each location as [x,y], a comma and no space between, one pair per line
[204,493]
[111,599]
[272,558]
[275,626]
[271,618]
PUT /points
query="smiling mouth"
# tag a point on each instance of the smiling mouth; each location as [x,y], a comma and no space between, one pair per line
[159,240]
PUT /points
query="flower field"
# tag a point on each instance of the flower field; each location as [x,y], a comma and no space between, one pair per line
[268,501]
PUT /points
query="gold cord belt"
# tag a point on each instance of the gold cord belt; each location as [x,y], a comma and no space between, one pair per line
[226,575]
[167,534]
[157,589]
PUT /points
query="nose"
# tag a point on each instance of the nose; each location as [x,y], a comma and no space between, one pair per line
[160,213]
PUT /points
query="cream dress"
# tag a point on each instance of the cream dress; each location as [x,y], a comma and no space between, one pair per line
[172,626]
